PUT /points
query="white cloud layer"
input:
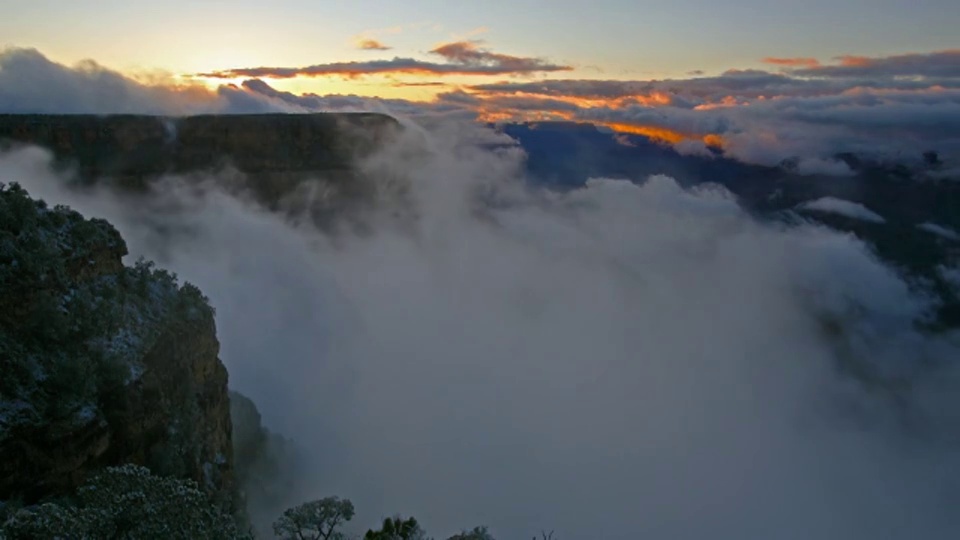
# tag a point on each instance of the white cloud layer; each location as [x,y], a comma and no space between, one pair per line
[620,362]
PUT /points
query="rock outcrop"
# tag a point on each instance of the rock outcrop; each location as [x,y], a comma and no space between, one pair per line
[102,364]
[268,466]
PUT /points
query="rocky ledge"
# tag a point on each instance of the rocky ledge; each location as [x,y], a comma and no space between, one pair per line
[102,363]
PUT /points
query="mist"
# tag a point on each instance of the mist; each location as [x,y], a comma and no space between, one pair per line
[621,361]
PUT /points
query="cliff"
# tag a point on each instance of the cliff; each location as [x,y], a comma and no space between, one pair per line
[275,152]
[102,363]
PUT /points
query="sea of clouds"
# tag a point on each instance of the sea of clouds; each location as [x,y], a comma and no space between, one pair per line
[621,361]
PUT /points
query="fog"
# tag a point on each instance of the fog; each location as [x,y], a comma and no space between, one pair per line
[619,362]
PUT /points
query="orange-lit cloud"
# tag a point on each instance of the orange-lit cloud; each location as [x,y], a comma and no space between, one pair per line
[663,135]
[888,105]
[792,62]
[372,45]
[652,99]
[854,61]
[402,84]
[462,58]
[651,132]
[726,101]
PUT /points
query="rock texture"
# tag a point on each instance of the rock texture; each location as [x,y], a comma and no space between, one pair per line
[102,364]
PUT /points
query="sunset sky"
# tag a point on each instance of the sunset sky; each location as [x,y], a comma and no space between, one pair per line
[611,39]
[764,80]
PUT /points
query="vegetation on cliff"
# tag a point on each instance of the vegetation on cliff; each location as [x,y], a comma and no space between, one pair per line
[86,359]
[73,321]
[126,502]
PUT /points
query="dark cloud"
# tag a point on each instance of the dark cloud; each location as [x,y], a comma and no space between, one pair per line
[584,88]
[516,103]
[941,64]
[469,53]
[372,45]
[463,58]
[310,102]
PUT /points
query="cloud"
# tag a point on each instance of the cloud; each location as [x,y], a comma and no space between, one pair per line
[30,83]
[829,167]
[939,230]
[762,117]
[941,64]
[850,209]
[486,352]
[369,44]
[309,102]
[755,116]
[951,276]
[403,84]
[585,88]
[693,147]
[792,62]
[463,58]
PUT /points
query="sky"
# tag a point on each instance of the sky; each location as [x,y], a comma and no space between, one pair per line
[605,39]
[763,81]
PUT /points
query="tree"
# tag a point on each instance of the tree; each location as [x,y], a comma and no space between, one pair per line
[478,533]
[315,520]
[127,502]
[396,528]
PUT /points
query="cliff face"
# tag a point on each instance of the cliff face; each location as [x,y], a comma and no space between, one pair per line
[267,465]
[102,364]
[275,151]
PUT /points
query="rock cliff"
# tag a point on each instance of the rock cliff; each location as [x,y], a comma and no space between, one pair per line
[274,152]
[102,363]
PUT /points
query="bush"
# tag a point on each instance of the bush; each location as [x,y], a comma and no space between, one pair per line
[127,502]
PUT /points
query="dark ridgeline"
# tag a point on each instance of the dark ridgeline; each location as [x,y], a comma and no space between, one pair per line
[277,152]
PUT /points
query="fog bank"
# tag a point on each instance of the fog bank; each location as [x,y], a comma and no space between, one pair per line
[619,362]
